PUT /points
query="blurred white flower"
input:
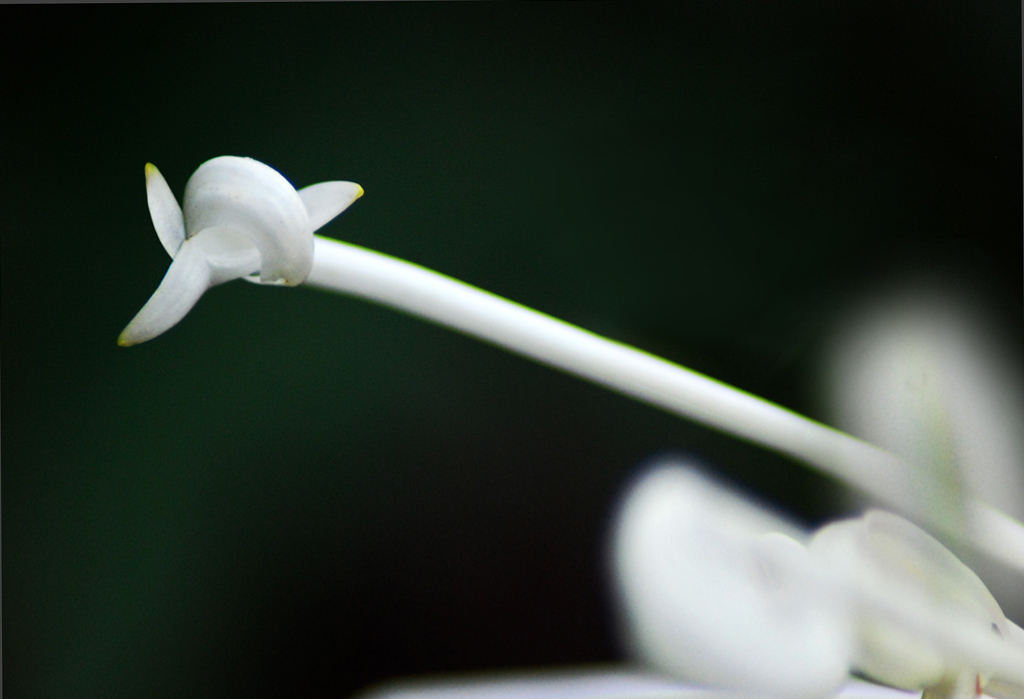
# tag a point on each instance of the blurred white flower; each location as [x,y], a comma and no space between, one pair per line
[719,591]
[919,370]
[876,595]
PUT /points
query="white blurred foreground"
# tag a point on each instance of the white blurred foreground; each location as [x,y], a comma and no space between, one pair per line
[732,600]
[721,592]
[718,590]
[598,682]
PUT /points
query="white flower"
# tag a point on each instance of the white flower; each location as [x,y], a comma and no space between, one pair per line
[240,218]
[718,591]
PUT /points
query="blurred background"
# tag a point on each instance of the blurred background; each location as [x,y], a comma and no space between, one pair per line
[294,493]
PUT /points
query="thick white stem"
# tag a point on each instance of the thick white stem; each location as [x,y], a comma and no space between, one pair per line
[353,270]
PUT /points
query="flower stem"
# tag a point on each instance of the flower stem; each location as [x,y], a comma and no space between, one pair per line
[350,269]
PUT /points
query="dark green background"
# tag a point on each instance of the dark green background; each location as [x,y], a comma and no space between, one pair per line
[298,494]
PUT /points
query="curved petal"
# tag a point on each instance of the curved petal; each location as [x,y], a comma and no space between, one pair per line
[256,200]
[326,200]
[229,254]
[712,596]
[164,210]
[924,616]
[185,281]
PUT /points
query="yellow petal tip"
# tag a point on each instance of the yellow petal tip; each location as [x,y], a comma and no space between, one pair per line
[123,340]
[360,192]
[151,170]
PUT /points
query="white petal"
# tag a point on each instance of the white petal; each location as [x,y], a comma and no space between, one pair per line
[713,597]
[326,200]
[229,253]
[919,372]
[257,201]
[924,615]
[164,210]
[185,281]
